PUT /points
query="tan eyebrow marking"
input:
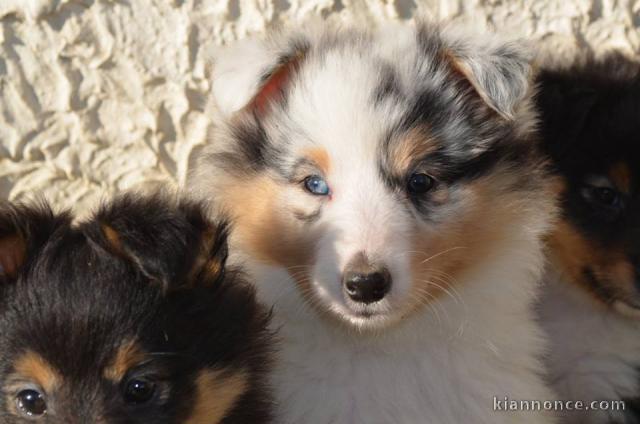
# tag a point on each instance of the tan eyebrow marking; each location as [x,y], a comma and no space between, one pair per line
[34,367]
[320,158]
[128,356]
[411,146]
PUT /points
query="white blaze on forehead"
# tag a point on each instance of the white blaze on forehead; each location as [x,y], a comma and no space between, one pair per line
[334,104]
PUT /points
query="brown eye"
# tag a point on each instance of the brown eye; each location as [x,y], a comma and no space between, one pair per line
[606,196]
[419,183]
[31,403]
[139,391]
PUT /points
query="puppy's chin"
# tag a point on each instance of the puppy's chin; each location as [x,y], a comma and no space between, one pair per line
[365,319]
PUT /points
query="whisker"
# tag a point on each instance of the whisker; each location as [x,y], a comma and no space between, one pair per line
[442,253]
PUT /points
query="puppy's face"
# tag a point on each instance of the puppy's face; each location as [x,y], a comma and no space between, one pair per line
[378,176]
[597,244]
[126,318]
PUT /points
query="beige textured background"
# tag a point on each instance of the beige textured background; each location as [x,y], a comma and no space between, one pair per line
[98,96]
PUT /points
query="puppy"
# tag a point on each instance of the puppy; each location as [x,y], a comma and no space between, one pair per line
[591,307]
[128,317]
[390,201]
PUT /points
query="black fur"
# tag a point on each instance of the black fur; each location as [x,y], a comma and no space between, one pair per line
[590,123]
[78,297]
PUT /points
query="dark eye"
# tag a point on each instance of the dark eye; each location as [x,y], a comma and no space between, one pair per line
[316,185]
[31,403]
[420,183]
[139,391]
[605,196]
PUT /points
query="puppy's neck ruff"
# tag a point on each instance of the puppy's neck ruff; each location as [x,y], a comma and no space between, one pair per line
[446,361]
[594,352]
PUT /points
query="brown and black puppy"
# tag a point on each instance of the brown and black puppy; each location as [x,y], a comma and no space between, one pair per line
[128,317]
[591,309]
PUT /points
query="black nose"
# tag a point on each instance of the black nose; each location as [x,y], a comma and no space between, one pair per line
[367,287]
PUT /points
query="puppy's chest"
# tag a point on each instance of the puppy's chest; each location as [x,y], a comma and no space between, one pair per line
[356,385]
[322,377]
[595,355]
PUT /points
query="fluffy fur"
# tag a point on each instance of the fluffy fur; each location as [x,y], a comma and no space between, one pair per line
[591,307]
[127,317]
[373,115]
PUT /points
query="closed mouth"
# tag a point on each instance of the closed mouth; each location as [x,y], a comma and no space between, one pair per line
[370,312]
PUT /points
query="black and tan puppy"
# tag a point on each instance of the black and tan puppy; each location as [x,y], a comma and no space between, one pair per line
[591,309]
[128,317]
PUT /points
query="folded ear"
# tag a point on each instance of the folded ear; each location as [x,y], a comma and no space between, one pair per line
[24,229]
[499,72]
[253,73]
[169,242]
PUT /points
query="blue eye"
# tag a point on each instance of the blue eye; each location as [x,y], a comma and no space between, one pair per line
[316,185]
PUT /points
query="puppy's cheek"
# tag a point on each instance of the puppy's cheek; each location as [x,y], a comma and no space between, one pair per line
[478,228]
[620,273]
[603,272]
[572,252]
[264,224]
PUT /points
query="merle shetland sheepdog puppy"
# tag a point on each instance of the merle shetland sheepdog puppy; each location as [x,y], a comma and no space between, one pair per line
[591,306]
[128,317]
[390,201]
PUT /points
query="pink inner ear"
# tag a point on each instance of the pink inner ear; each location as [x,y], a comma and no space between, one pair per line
[273,89]
[12,254]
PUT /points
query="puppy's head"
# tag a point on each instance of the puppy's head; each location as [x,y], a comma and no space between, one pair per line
[378,169]
[128,317]
[592,130]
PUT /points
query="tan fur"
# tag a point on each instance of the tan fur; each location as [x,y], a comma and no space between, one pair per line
[263,227]
[113,238]
[413,145]
[31,366]
[320,157]
[573,253]
[443,258]
[128,356]
[216,394]
[204,263]
[268,230]
[12,254]
[620,174]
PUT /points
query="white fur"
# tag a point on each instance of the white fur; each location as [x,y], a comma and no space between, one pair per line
[236,74]
[595,351]
[442,364]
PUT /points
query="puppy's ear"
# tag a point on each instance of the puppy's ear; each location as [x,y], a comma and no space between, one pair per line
[500,73]
[253,73]
[23,231]
[168,242]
